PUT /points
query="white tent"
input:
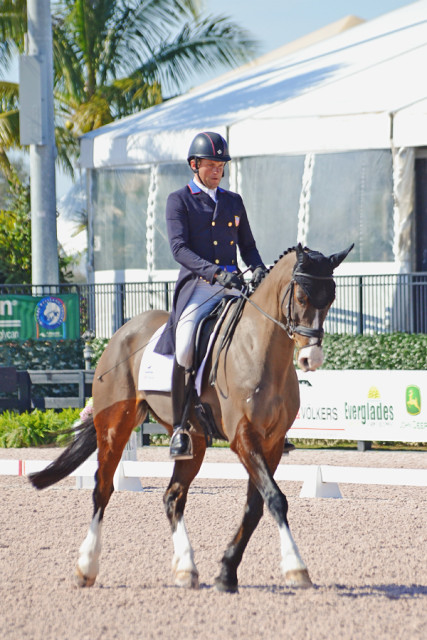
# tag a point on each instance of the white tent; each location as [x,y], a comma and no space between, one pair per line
[363,90]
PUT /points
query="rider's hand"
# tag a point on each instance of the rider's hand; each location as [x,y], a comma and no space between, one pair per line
[257,276]
[229,280]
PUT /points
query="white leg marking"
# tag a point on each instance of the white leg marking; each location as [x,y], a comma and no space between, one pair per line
[90,549]
[183,557]
[291,559]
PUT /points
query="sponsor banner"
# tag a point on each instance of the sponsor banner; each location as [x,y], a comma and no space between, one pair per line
[39,317]
[362,405]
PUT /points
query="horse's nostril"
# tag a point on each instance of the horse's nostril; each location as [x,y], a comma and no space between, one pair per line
[304,364]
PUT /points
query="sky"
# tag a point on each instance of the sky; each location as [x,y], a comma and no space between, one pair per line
[277,22]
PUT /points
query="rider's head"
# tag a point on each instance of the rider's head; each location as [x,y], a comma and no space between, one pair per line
[207,157]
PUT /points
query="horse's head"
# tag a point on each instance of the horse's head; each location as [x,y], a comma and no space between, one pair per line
[306,302]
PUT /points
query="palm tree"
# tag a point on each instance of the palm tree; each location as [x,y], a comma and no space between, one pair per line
[113,58]
[12,29]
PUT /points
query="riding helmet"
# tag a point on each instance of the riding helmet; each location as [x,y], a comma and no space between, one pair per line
[209,145]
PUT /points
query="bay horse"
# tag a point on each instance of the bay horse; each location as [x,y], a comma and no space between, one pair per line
[254,401]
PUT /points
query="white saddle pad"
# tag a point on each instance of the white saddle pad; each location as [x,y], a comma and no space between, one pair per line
[155,371]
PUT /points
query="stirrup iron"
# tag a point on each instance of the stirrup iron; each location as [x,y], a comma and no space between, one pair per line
[181,444]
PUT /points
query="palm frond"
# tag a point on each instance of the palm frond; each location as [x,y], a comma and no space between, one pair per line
[9,129]
[5,167]
[9,95]
[13,25]
[129,95]
[68,149]
[136,31]
[210,43]
[68,76]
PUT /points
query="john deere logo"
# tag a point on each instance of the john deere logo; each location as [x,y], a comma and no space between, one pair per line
[413,400]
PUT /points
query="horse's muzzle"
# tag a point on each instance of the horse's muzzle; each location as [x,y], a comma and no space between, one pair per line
[310,358]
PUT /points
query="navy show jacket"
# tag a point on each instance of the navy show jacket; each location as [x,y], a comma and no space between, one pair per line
[203,236]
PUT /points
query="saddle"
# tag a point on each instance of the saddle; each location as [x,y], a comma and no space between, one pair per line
[203,335]
[205,328]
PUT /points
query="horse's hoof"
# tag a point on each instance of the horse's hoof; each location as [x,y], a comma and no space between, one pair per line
[84,581]
[223,587]
[298,578]
[187,579]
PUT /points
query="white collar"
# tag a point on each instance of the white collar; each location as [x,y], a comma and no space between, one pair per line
[210,192]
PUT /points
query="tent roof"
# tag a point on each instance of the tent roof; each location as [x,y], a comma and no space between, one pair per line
[338,94]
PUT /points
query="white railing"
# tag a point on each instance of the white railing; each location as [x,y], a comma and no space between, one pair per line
[319,481]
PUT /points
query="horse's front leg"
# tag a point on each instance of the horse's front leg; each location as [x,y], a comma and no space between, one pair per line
[227,579]
[183,566]
[292,565]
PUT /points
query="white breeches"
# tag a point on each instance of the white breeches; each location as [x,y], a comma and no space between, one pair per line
[205,297]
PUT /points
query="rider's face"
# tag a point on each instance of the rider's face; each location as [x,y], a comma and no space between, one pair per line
[210,172]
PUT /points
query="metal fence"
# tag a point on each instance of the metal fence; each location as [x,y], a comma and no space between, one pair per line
[364,304]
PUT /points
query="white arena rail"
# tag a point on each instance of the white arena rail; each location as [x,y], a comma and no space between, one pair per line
[319,481]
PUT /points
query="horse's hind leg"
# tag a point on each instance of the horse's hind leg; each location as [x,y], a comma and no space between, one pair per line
[113,430]
[183,566]
[293,567]
[227,579]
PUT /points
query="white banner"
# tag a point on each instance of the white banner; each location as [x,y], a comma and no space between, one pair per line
[362,405]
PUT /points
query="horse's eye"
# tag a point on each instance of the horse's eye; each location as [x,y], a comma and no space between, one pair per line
[301,297]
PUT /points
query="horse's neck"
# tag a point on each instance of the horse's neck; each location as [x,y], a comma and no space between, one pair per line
[260,320]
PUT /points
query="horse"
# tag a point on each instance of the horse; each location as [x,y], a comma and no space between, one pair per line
[254,400]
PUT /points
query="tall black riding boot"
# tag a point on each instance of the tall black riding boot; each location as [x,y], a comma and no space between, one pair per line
[180,445]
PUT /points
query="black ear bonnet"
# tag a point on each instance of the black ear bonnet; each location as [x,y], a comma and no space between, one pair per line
[314,274]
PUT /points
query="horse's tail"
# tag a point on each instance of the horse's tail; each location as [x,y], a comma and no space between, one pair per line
[83,444]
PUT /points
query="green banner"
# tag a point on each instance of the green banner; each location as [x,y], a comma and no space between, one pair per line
[53,317]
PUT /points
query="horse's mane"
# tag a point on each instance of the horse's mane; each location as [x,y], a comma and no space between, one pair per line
[282,255]
[318,295]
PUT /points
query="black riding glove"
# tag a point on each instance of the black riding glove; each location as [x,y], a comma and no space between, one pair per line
[229,280]
[258,274]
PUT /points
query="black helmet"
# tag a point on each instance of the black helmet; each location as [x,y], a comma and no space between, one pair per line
[209,145]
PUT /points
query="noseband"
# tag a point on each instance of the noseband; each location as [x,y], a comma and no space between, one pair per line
[290,324]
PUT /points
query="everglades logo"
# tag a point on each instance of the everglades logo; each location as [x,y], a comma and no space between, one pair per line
[371,411]
[413,400]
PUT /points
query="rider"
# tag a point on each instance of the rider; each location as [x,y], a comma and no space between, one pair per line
[205,224]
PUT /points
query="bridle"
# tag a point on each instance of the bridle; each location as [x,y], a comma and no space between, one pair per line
[290,324]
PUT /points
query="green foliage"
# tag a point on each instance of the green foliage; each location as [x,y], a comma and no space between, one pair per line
[37,354]
[98,346]
[36,428]
[15,237]
[380,351]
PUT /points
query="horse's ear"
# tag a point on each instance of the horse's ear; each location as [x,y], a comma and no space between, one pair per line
[336,258]
[302,257]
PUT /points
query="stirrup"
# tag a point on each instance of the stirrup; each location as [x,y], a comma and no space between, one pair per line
[181,444]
